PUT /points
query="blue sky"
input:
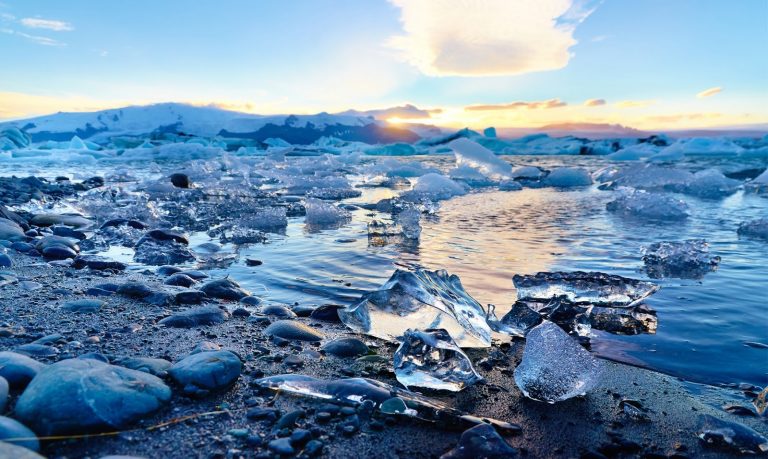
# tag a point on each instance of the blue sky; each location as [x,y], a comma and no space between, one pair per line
[646,60]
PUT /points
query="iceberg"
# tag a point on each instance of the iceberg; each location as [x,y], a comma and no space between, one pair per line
[472,154]
[384,398]
[583,288]
[431,359]
[420,299]
[685,260]
[554,366]
[651,206]
[564,177]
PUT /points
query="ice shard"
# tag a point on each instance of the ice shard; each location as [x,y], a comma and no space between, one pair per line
[520,319]
[431,359]
[420,299]
[650,206]
[731,435]
[685,259]
[356,391]
[554,366]
[586,288]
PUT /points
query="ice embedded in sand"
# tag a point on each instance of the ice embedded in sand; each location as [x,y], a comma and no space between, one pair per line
[420,299]
[651,206]
[684,259]
[431,359]
[554,366]
[587,288]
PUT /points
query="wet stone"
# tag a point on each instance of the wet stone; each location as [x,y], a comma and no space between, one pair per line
[205,372]
[292,330]
[18,369]
[346,347]
[180,280]
[206,315]
[733,436]
[11,429]
[276,310]
[4,390]
[157,367]
[225,289]
[37,350]
[481,441]
[83,306]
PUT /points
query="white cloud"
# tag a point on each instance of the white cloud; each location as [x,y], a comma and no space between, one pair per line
[635,103]
[48,24]
[537,105]
[45,41]
[594,102]
[488,37]
[709,92]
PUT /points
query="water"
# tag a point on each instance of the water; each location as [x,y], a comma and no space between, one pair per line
[488,236]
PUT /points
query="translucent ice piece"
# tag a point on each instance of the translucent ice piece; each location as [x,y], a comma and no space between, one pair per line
[472,154]
[520,319]
[356,391]
[652,206]
[323,213]
[420,299]
[623,321]
[583,288]
[686,259]
[731,435]
[554,366]
[409,223]
[431,359]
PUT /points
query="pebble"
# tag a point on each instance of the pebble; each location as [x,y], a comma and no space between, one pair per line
[327,312]
[481,441]
[251,300]
[5,261]
[205,315]
[37,350]
[292,330]
[18,369]
[97,263]
[4,389]
[346,347]
[86,395]
[157,367]
[225,289]
[205,372]
[83,306]
[180,180]
[277,310]
[179,279]
[190,297]
[282,446]
[10,428]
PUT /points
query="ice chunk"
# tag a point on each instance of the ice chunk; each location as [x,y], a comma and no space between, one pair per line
[490,132]
[652,206]
[431,359]
[470,176]
[635,152]
[476,156]
[395,149]
[567,177]
[435,187]
[409,221]
[646,177]
[420,299]
[759,184]
[731,435]
[510,185]
[754,228]
[359,391]
[710,183]
[554,366]
[685,260]
[323,213]
[703,146]
[527,172]
[621,321]
[267,218]
[586,288]
[520,319]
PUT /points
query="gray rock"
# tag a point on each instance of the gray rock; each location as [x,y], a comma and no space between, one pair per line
[277,310]
[205,372]
[83,306]
[157,367]
[292,330]
[225,289]
[11,428]
[4,389]
[205,315]
[18,369]
[481,441]
[79,396]
[37,350]
[74,221]
[346,347]
[5,261]
[10,450]
[179,279]
[97,263]
[11,231]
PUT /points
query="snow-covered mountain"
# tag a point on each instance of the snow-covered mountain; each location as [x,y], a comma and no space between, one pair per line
[208,121]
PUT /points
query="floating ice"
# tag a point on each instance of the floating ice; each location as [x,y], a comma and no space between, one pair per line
[472,154]
[686,259]
[470,176]
[431,359]
[567,177]
[435,187]
[356,391]
[710,183]
[268,218]
[731,435]
[754,228]
[652,206]
[703,146]
[323,213]
[635,152]
[510,185]
[554,366]
[759,184]
[420,299]
[409,223]
[527,172]
[585,288]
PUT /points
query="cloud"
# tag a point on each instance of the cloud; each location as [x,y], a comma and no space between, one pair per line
[48,24]
[45,41]
[709,92]
[594,102]
[488,37]
[404,112]
[635,103]
[551,103]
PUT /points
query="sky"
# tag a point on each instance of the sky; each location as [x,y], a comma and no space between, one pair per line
[650,64]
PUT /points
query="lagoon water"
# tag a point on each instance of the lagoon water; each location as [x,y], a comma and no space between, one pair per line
[705,327]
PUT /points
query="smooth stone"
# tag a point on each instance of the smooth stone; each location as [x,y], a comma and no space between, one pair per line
[164,235]
[481,441]
[292,330]
[74,221]
[135,289]
[168,270]
[277,310]
[327,312]
[205,315]
[37,350]
[180,280]
[205,372]
[11,451]
[22,247]
[157,367]
[58,252]
[190,297]
[282,446]
[180,180]
[346,347]
[4,390]
[18,369]
[11,428]
[251,300]
[11,231]
[225,289]
[304,310]
[5,261]
[205,346]
[83,306]
[115,222]
[78,396]
[97,263]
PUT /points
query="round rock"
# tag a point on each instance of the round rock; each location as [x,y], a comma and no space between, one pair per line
[292,330]
[205,372]
[346,347]
[18,369]
[11,428]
